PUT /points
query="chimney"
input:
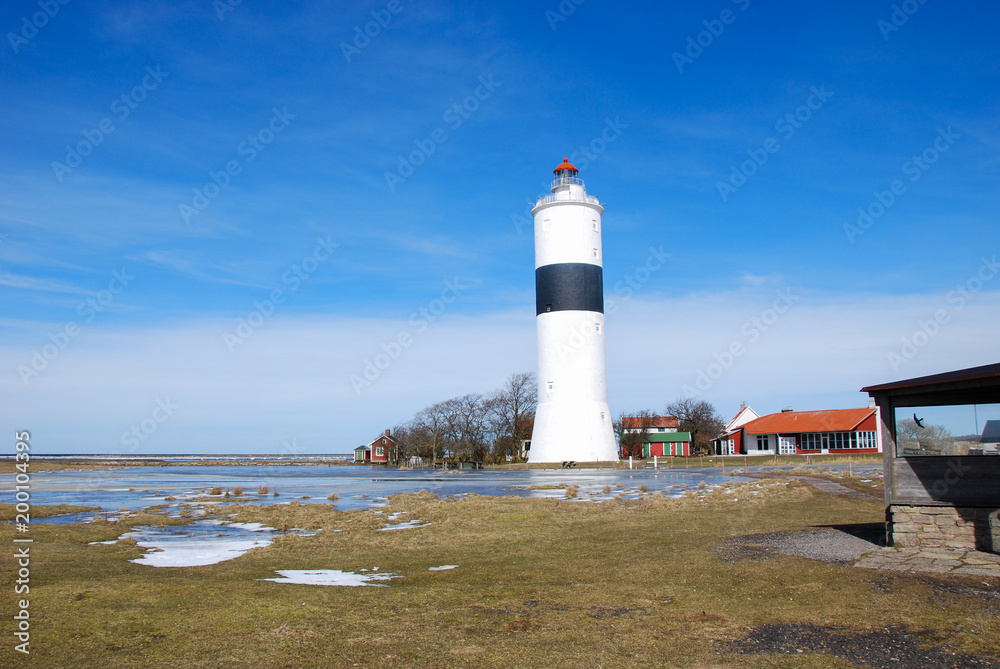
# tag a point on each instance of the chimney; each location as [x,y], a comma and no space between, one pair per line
[743,405]
[788,410]
[387,433]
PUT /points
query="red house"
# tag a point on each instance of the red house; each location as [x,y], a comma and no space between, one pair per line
[383,449]
[791,432]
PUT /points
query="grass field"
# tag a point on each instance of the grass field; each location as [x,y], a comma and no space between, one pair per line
[540,583]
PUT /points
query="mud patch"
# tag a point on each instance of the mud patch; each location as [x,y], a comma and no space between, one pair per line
[887,648]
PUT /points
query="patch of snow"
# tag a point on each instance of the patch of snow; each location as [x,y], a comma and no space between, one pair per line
[330,577]
[251,527]
[105,543]
[443,567]
[195,552]
[405,525]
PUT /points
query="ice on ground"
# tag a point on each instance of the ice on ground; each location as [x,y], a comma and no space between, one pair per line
[102,543]
[405,525]
[196,552]
[201,543]
[443,567]
[330,577]
[251,527]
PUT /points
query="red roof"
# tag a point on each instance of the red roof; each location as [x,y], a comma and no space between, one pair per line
[566,165]
[831,420]
[652,422]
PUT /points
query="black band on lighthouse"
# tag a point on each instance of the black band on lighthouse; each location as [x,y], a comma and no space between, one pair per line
[571,286]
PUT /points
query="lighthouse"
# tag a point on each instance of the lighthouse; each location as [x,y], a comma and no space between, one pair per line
[572,420]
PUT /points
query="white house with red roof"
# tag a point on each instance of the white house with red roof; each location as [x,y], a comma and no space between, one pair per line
[730,442]
[791,432]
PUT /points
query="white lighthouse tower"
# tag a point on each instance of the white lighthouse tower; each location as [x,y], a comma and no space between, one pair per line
[572,421]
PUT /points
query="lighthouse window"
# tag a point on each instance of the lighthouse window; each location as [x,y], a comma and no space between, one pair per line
[548,308]
[597,327]
[550,385]
[595,227]
[595,253]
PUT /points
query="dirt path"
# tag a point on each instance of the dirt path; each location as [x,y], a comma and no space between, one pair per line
[826,486]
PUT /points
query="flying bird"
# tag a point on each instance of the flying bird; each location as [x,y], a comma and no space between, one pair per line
[918,421]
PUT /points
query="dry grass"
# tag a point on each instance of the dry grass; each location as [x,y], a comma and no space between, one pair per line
[541,582]
[238,492]
[8,511]
[215,491]
[262,490]
[333,497]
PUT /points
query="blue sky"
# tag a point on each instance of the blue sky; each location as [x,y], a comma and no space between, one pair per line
[836,102]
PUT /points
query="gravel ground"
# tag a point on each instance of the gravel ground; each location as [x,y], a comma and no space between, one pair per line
[842,543]
[889,648]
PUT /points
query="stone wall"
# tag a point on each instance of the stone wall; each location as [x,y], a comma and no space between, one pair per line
[968,528]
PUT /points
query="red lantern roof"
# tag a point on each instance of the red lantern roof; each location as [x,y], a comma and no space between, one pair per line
[566,165]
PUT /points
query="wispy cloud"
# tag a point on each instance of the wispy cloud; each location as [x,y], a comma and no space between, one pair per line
[45,285]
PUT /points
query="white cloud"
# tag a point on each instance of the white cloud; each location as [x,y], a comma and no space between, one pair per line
[291,379]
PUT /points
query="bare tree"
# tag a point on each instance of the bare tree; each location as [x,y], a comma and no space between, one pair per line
[512,413]
[474,427]
[700,419]
[427,430]
[915,438]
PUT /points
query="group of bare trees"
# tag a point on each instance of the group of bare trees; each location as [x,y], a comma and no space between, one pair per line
[491,428]
[474,427]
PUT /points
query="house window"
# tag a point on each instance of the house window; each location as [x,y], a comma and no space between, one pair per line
[379,451]
[762,443]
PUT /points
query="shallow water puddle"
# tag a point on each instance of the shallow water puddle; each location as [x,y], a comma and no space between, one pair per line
[330,577]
